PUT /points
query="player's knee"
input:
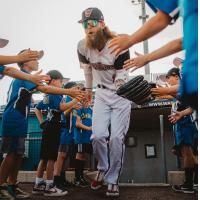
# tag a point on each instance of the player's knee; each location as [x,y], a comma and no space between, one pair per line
[116,140]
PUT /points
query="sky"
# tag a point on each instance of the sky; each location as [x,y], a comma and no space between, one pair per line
[51,25]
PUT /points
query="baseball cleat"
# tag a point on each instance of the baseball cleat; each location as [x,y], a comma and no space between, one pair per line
[113,190]
[98,181]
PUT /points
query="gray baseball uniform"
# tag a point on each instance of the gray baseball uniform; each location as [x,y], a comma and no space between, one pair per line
[106,70]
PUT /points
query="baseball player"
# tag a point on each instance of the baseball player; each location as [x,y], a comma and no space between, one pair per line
[105,69]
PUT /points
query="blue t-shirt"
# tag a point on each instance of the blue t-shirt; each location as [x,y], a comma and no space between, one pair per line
[51,103]
[170,7]
[83,136]
[2,68]
[66,135]
[15,121]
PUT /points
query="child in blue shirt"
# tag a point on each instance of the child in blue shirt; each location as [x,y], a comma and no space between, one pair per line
[82,134]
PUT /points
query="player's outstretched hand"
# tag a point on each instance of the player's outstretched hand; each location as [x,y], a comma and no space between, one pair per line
[120,43]
[159,91]
[74,93]
[136,62]
[39,78]
[28,55]
[175,116]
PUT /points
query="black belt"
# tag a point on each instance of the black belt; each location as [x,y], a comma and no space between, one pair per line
[102,86]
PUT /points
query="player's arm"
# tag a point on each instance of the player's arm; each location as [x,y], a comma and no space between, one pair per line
[170,48]
[23,57]
[82,126]
[55,90]
[69,106]
[159,91]
[175,116]
[39,115]
[35,78]
[153,26]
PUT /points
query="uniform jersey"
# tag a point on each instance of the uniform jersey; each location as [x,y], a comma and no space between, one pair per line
[170,7]
[66,135]
[83,136]
[2,68]
[15,121]
[102,66]
[51,103]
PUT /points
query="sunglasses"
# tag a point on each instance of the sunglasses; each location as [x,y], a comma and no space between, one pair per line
[92,23]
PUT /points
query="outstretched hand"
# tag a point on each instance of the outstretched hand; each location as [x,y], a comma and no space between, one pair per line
[175,116]
[136,62]
[28,56]
[120,43]
[39,78]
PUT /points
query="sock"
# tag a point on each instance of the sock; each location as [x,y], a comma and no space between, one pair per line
[49,183]
[79,168]
[195,173]
[57,180]
[189,176]
[62,176]
[38,180]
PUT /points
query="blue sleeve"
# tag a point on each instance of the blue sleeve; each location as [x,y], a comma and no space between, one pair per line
[2,68]
[55,100]
[68,99]
[29,85]
[170,7]
[41,106]
[78,113]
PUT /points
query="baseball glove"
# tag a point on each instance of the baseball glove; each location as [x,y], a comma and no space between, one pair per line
[137,90]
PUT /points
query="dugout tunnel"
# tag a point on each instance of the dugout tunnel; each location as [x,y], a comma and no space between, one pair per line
[148,156]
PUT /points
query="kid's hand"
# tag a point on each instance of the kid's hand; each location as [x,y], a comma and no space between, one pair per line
[136,62]
[159,91]
[39,79]
[174,117]
[77,106]
[120,43]
[76,93]
[28,56]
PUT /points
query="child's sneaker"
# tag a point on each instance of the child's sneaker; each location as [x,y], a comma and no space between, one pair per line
[81,182]
[18,193]
[113,190]
[53,191]
[38,189]
[98,181]
[4,194]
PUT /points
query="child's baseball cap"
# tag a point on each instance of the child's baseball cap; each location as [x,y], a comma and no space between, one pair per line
[3,42]
[55,74]
[91,14]
[173,72]
[70,84]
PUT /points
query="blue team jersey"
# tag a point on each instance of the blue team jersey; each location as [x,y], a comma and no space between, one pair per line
[170,7]
[66,135]
[51,103]
[2,68]
[15,121]
[83,136]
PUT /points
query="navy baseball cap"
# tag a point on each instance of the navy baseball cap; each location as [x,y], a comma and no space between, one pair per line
[70,85]
[91,13]
[3,42]
[173,72]
[55,74]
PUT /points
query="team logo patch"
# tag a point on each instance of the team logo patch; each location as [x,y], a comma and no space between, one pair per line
[88,12]
[46,100]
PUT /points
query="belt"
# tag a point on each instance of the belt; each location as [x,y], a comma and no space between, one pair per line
[104,87]
[101,86]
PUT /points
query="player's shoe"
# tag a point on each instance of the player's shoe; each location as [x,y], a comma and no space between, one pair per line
[183,188]
[98,181]
[53,191]
[113,190]
[39,188]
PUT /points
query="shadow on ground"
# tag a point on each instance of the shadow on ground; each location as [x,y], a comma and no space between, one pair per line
[126,193]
